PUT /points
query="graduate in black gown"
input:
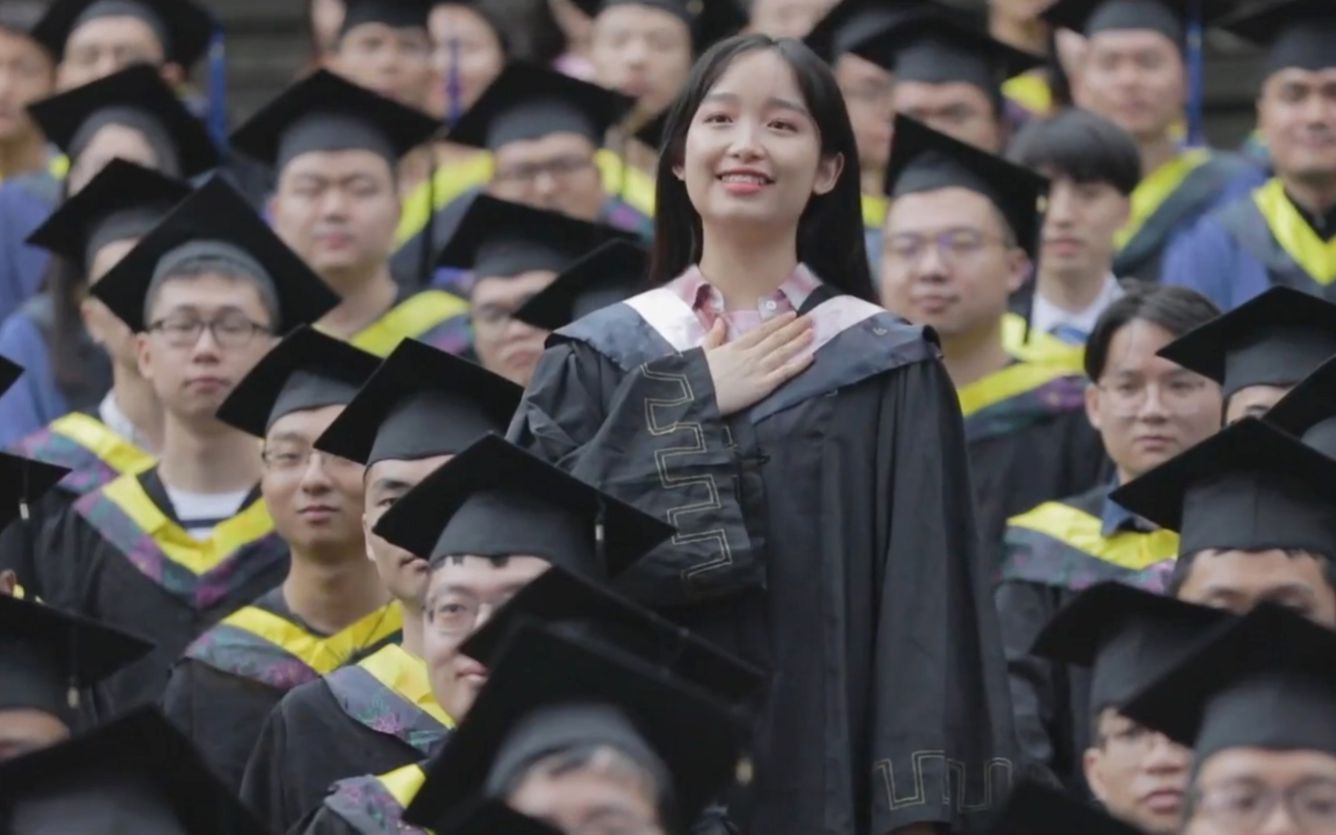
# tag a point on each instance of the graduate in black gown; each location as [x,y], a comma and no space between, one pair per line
[331,609]
[169,552]
[814,467]
[492,520]
[88,233]
[586,738]
[962,229]
[1147,409]
[1258,707]
[319,136]
[48,658]
[1258,351]
[421,407]
[1117,638]
[136,774]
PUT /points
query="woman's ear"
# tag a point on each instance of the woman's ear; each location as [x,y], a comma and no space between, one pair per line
[679,172]
[828,172]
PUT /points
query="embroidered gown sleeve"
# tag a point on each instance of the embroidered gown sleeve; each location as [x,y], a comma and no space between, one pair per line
[941,732]
[654,438]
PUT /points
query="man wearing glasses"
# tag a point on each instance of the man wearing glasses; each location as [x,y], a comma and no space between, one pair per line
[959,239]
[1258,707]
[168,552]
[1146,409]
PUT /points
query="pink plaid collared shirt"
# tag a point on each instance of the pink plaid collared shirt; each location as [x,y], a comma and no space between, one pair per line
[708,302]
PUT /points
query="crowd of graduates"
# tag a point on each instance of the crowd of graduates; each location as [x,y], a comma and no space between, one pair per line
[643,417]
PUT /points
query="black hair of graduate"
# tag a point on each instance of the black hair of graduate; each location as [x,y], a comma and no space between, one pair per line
[830,232]
[1176,309]
[1081,146]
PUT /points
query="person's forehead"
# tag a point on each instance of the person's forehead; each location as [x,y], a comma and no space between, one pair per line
[549,144]
[303,424]
[1266,765]
[114,27]
[1121,40]
[340,164]
[928,208]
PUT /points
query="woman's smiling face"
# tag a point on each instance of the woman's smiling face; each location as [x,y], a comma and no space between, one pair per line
[752,154]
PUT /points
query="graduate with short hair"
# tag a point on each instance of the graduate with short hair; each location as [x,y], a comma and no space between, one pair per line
[1135,71]
[1280,234]
[331,609]
[170,551]
[418,410]
[961,233]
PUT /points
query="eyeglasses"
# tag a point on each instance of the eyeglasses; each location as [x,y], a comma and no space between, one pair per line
[228,331]
[953,245]
[1178,394]
[288,460]
[558,168]
[457,615]
[1245,805]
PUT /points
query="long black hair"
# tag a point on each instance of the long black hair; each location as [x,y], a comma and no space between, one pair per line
[830,231]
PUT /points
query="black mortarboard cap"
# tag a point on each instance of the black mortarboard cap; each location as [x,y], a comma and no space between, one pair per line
[1274,339]
[1298,34]
[47,655]
[136,773]
[528,102]
[923,159]
[183,26]
[499,239]
[497,500]
[307,370]
[27,479]
[421,402]
[324,112]
[398,14]
[1125,635]
[1168,17]
[217,221]
[136,96]
[492,817]
[938,47]
[1308,411]
[850,23]
[1265,681]
[645,710]
[593,609]
[1036,809]
[122,201]
[608,274]
[708,20]
[1249,487]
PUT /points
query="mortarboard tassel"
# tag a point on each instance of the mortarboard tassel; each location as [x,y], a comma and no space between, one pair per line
[217,113]
[1196,75]
[72,694]
[23,497]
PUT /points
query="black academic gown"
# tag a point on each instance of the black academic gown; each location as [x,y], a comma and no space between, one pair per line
[1029,441]
[122,557]
[1051,553]
[367,718]
[222,690]
[95,455]
[826,533]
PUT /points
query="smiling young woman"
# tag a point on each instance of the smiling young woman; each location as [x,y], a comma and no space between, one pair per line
[808,448]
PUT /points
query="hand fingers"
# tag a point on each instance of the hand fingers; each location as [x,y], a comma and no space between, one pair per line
[715,337]
[785,335]
[785,352]
[790,369]
[766,330]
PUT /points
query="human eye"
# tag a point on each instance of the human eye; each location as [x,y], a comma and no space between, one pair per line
[178,325]
[904,246]
[234,325]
